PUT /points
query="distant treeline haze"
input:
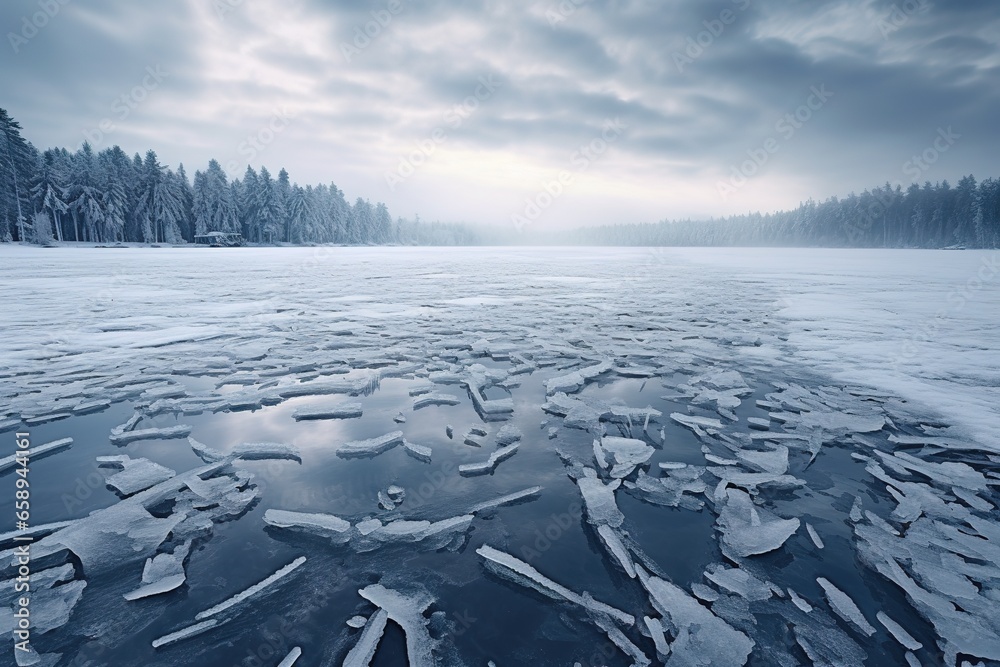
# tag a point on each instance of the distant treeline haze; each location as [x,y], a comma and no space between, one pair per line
[108,197]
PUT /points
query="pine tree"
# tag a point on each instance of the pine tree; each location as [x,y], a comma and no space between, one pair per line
[48,190]
[18,159]
[186,195]
[159,207]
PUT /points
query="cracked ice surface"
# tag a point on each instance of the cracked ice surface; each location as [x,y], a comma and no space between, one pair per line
[697,408]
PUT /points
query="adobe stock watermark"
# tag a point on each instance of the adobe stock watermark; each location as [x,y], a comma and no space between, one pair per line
[918,164]
[786,128]
[256,142]
[901,14]
[123,105]
[31,25]
[914,167]
[714,28]
[986,274]
[580,160]
[366,33]
[453,118]
[563,11]
[224,8]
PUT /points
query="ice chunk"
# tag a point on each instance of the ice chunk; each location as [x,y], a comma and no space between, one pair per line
[575,380]
[129,424]
[408,612]
[799,602]
[759,424]
[52,601]
[748,530]
[655,630]
[8,540]
[488,466]
[339,411]
[616,547]
[361,384]
[695,423]
[845,607]
[185,633]
[385,502]
[364,650]
[370,447]
[599,500]
[266,451]
[672,490]
[505,500]
[739,581]
[204,452]
[814,536]
[898,633]
[357,621]
[419,452]
[623,454]
[135,474]
[162,573]
[255,590]
[701,637]
[774,461]
[435,399]
[324,525]
[513,569]
[396,493]
[180,431]
[508,435]
[291,658]
[34,453]
[752,480]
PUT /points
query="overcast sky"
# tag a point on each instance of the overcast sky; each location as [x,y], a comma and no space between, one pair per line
[490,101]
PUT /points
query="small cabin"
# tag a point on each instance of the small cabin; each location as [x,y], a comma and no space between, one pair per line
[220,239]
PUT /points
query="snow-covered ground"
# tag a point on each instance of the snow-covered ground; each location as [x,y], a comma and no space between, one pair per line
[692,454]
[920,323]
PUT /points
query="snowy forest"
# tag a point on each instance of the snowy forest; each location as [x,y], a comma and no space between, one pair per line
[108,197]
[929,216]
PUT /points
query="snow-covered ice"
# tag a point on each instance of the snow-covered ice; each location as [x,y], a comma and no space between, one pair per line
[795,381]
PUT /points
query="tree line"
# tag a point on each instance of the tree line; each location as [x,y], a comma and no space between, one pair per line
[929,216]
[109,197]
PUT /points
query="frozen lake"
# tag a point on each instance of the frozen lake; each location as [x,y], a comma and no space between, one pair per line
[530,456]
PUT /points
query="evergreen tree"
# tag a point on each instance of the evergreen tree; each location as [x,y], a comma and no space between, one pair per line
[18,160]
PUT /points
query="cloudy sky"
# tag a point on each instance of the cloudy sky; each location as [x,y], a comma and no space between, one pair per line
[627,110]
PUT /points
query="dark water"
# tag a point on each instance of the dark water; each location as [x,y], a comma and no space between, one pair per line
[484,617]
